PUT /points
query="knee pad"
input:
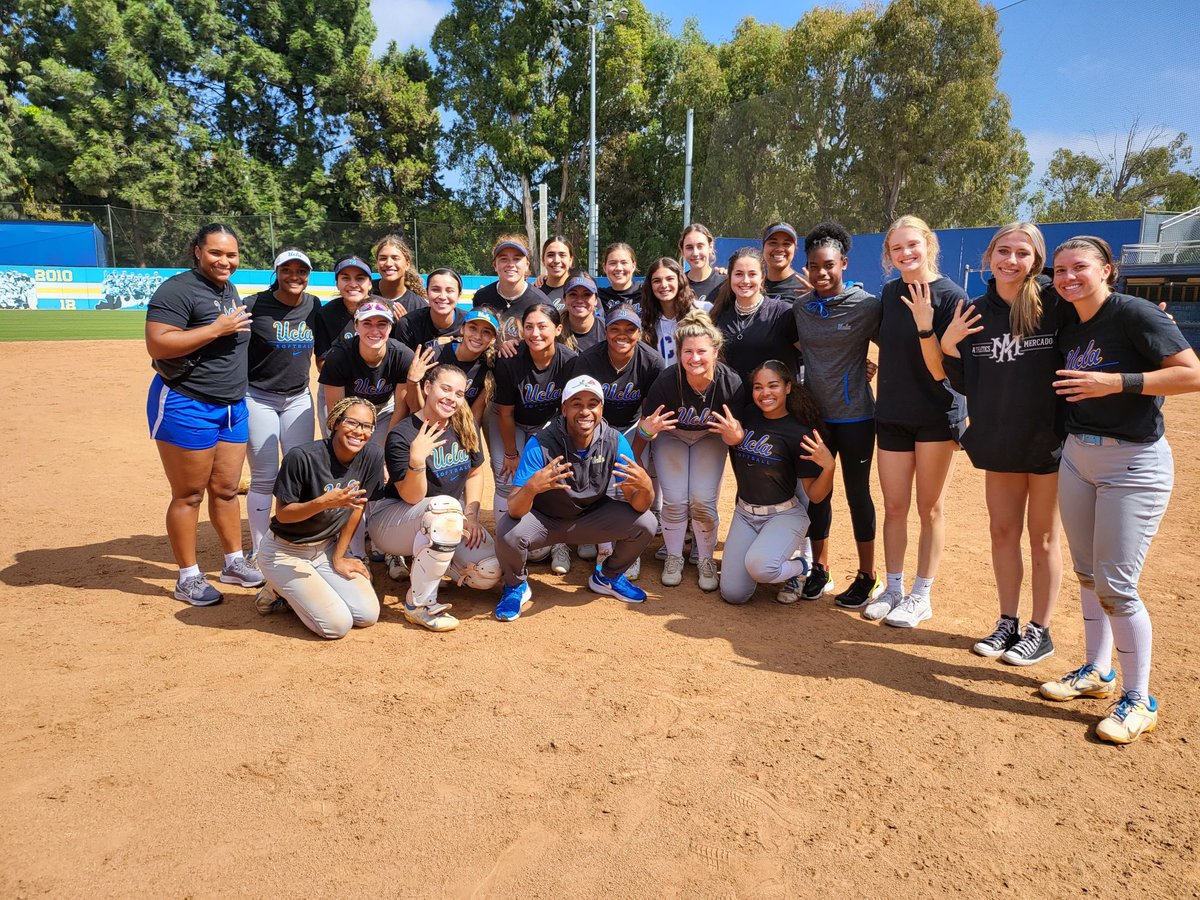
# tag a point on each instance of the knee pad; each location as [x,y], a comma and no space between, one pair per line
[482,576]
[443,523]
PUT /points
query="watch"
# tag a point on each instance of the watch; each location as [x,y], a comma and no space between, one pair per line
[925,334]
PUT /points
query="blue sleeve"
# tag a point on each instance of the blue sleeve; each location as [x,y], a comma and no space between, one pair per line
[531,461]
[623,449]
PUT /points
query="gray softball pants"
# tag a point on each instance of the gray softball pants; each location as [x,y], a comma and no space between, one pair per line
[521,433]
[689,466]
[758,550]
[327,603]
[278,422]
[1112,495]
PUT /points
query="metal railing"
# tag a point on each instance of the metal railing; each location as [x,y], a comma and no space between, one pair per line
[1159,254]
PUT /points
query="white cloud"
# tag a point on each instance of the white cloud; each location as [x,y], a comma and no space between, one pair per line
[407,22]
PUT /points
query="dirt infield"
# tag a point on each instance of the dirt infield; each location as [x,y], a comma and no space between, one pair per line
[681,748]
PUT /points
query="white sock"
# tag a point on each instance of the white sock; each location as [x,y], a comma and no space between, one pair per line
[1097,633]
[922,586]
[231,558]
[186,572]
[672,535]
[1134,638]
[895,582]
[258,514]
[793,568]
[808,557]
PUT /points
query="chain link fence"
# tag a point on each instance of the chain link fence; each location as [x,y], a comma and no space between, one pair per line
[141,238]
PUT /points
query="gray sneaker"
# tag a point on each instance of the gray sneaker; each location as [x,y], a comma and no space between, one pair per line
[266,601]
[560,559]
[243,573]
[882,606]
[197,591]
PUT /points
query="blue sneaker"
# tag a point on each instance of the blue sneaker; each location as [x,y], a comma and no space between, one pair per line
[514,601]
[620,587]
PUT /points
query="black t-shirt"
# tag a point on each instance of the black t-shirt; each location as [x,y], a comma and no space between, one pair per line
[589,339]
[508,313]
[706,290]
[907,394]
[310,470]
[189,300]
[767,463]
[345,368]
[790,288]
[693,408]
[610,298]
[476,370]
[555,294]
[767,333]
[624,391]
[410,300]
[1125,335]
[417,330]
[281,342]
[334,323]
[535,394]
[446,468]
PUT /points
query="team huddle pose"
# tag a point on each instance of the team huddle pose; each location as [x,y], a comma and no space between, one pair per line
[609,414]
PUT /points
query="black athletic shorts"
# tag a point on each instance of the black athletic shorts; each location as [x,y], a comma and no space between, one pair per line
[904,438]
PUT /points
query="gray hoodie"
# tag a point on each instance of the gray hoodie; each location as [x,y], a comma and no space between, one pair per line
[834,334]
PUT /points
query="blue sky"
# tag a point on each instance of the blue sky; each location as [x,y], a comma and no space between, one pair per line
[1075,70]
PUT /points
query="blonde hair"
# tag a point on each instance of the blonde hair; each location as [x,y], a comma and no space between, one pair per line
[412,278]
[932,247]
[1027,308]
[697,324]
[339,411]
[462,421]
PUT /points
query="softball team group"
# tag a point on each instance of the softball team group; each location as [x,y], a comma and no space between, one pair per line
[609,414]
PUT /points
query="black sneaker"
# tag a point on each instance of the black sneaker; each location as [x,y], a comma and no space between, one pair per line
[818,582]
[1002,639]
[1034,646]
[864,589]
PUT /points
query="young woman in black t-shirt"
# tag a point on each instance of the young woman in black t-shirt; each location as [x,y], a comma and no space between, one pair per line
[558,259]
[197,334]
[474,352]
[620,265]
[335,320]
[1121,358]
[688,454]
[772,445]
[696,249]
[511,294]
[320,495]
[779,241]
[399,282]
[583,324]
[916,414]
[278,400]
[666,298]
[431,507]
[439,322]
[756,326]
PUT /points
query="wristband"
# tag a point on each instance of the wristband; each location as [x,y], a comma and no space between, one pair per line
[1132,382]
[511,456]
[644,433]
[925,334]
[415,469]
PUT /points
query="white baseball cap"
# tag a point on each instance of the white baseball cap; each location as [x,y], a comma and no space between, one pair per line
[289,255]
[581,383]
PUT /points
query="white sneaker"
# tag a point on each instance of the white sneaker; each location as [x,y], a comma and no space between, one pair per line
[912,611]
[672,573]
[708,574]
[882,605]
[560,559]
[635,570]
[397,567]
[586,551]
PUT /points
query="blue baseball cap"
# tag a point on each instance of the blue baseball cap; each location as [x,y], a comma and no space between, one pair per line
[623,314]
[351,262]
[777,228]
[510,245]
[583,281]
[483,315]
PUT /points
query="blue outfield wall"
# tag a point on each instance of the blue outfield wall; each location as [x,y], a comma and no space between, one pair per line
[77,287]
[58,243]
[961,254]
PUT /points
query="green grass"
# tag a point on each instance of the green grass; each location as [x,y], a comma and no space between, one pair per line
[71,325]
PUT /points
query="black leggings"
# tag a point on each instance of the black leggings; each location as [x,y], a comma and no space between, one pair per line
[854,442]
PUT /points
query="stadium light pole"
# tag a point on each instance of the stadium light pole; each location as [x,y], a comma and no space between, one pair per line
[599,12]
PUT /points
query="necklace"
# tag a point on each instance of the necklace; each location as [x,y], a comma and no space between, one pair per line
[748,311]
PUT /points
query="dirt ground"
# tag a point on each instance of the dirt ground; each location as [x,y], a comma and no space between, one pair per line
[680,748]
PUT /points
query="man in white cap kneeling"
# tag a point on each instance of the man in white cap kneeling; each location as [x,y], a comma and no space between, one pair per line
[577,483]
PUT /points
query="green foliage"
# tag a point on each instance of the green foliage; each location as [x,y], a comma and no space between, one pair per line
[1142,170]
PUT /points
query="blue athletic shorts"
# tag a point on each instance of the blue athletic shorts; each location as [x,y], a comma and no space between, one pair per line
[192,424]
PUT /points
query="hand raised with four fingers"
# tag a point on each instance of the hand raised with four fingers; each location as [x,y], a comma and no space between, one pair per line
[727,426]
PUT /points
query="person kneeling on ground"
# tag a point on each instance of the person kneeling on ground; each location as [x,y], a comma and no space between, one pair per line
[431,508]
[576,483]
[320,494]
